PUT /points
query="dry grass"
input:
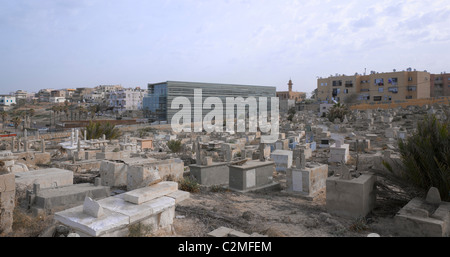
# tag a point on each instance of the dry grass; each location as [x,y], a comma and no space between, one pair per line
[24,225]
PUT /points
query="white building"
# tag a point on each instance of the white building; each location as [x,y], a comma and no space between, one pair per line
[127,99]
[56,99]
[7,100]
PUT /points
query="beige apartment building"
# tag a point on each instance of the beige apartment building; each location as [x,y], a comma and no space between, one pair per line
[440,84]
[375,87]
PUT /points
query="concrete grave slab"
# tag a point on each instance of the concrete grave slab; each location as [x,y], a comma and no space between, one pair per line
[47,178]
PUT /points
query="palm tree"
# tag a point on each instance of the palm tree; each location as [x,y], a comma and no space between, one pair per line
[16,121]
[55,110]
[60,111]
[93,109]
[338,111]
[96,130]
[31,113]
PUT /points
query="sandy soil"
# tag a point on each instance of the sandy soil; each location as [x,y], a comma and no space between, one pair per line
[274,214]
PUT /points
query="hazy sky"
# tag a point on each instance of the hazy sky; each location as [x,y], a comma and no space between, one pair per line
[80,43]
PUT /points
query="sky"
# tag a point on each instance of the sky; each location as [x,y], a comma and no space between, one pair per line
[79,43]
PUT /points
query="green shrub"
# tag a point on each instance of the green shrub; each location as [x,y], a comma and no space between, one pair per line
[189,184]
[426,156]
[292,111]
[174,145]
[290,117]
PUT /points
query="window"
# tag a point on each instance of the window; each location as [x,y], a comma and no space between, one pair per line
[321,84]
[337,83]
[377,98]
[381,90]
[393,90]
[346,91]
[409,97]
[411,88]
[393,81]
[364,97]
[336,91]
[410,78]
[379,82]
[349,83]
[364,90]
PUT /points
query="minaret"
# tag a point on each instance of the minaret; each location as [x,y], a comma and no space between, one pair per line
[290,85]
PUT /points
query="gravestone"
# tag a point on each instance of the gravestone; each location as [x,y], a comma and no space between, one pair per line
[92,208]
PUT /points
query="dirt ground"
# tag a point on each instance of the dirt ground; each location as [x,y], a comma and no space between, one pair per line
[275,214]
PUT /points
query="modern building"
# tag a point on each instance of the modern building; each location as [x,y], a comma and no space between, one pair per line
[160,95]
[291,95]
[375,87]
[7,100]
[440,84]
[127,99]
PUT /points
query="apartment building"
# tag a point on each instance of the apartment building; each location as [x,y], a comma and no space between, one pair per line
[440,84]
[375,87]
[127,99]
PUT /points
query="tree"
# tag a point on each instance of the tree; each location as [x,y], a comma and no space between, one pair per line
[93,109]
[30,114]
[66,110]
[292,111]
[314,94]
[16,121]
[426,155]
[55,112]
[96,130]
[4,116]
[338,111]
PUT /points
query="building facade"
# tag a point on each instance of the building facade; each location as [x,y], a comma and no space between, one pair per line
[44,95]
[7,100]
[56,99]
[58,93]
[127,99]
[160,95]
[375,87]
[440,84]
[21,95]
